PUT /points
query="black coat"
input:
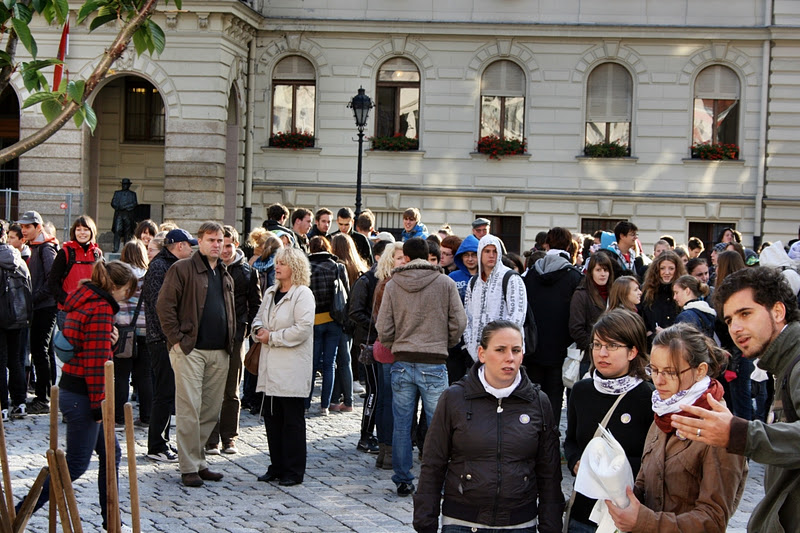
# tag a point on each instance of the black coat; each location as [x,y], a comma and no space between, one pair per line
[360,308]
[550,296]
[661,311]
[246,295]
[498,460]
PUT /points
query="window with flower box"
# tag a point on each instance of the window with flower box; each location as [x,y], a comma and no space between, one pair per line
[609,97]
[716,107]
[397,100]
[503,101]
[293,98]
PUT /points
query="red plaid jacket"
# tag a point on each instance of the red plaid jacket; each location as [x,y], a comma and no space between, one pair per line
[90,318]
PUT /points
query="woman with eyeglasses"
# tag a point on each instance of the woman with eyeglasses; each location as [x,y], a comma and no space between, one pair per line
[683,485]
[618,351]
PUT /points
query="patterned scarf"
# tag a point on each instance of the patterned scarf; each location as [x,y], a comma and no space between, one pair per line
[695,395]
[615,386]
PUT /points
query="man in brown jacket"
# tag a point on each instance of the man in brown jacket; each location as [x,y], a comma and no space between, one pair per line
[195,301]
[420,317]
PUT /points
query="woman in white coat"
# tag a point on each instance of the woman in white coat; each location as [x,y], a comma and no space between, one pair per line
[284,326]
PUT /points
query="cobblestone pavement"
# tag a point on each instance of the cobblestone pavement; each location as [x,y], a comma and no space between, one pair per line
[342,490]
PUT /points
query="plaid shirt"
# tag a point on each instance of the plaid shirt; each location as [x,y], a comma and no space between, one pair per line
[90,317]
[324,268]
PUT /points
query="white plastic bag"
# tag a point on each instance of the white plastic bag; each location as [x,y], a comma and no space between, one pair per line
[571,369]
[604,474]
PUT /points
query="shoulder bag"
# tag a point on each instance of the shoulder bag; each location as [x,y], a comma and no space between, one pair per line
[126,344]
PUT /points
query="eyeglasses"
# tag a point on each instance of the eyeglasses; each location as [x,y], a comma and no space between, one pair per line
[611,347]
[668,374]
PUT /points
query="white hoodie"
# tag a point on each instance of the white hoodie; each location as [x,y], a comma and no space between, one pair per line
[484,303]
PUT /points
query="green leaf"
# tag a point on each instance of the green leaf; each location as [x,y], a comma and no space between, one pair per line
[49,13]
[43,81]
[90,116]
[62,10]
[31,80]
[25,37]
[37,98]
[9,3]
[23,12]
[40,64]
[51,109]
[78,118]
[100,20]
[39,5]
[158,38]
[5,59]
[88,8]
[5,14]
[75,90]
[140,40]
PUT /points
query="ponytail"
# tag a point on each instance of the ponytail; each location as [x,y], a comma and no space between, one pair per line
[698,288]
[114,275]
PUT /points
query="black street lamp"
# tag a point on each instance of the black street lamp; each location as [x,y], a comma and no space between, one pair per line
[360,104]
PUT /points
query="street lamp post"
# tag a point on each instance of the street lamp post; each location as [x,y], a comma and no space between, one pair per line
[360,104]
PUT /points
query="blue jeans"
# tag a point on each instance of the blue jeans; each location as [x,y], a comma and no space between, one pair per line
[741,400]
[580,527]
[467,529]
[326,343]
[384,421]
[407,379]
[343,383]
[84,435]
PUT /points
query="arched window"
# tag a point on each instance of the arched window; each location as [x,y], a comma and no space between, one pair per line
[397,99]
[503,101]
[293,96]
[716,106]
[609,97]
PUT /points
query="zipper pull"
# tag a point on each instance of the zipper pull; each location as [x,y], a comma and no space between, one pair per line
[499,405]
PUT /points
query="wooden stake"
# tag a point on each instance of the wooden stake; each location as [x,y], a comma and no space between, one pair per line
[26,510]
[5,517]
[112,495]
[58,487]
[6,472]
[69,493]
[133,480]
[53,446]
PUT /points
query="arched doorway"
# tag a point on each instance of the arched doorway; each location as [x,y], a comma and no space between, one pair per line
[9,134]
[127,143]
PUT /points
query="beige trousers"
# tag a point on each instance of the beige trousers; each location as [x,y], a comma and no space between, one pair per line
[199,386]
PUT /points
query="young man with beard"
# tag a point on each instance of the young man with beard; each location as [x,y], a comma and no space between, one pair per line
[761,313]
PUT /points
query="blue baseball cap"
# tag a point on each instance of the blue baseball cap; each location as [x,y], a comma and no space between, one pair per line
[180,235]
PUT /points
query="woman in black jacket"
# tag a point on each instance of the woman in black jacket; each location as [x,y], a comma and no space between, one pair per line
[493,445]
[658,303]
[589,301]
[619,355]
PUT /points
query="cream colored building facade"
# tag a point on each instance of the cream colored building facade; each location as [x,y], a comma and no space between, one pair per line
[218,76]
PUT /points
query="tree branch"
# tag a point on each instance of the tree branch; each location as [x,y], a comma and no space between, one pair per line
[111,54]
[8,70]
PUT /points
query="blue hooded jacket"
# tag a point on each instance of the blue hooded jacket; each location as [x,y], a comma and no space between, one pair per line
[461,276]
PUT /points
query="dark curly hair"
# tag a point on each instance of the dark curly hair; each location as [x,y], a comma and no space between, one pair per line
[768,285]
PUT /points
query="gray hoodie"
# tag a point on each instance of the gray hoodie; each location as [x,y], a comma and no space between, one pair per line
[421,314]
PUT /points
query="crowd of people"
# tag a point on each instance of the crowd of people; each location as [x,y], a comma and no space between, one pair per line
[456,345]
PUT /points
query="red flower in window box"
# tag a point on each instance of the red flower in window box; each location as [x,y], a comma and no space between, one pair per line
[494,146]
[715,151]
[295,141]
[612,149]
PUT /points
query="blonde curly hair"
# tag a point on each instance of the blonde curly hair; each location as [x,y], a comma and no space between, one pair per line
[297,262]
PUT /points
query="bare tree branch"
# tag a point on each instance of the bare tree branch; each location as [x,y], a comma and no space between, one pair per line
[111,54]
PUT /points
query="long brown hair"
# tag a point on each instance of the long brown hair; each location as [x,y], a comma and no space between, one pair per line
[345,249]
[618,295]
[728,262]
[652,280]
[602,261]
[134,253]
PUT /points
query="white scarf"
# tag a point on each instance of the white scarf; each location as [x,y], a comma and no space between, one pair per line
[498,393]
[684,397]
[615,386]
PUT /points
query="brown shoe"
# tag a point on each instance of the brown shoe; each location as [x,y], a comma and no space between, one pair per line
[208,475]
[191,480]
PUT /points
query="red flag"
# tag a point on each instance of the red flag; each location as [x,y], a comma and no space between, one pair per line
[62,53]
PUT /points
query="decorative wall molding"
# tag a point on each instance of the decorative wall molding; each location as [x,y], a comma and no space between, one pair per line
[503,48]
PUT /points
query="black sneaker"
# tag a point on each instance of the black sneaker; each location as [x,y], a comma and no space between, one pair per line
[368,445]
[19,411]
[163,457]
[405,489]
[38,407]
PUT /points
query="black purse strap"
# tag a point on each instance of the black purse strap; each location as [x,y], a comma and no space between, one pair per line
[136,312]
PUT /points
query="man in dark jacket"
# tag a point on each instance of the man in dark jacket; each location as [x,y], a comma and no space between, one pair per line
[322,224]
[550,283]
[346,223]
[277,214]
[301,224]
[197,313]
[43,253]
[247,299]
[177,245]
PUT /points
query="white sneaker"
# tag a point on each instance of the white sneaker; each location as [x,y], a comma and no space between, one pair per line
[19,411]
[5,415]
[163,457]
[212,450]
[358,388]
[324,412]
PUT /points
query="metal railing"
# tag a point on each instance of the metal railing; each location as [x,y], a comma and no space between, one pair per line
[53,206]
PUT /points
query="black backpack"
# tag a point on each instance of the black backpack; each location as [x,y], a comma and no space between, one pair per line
[529,326]
[16,298]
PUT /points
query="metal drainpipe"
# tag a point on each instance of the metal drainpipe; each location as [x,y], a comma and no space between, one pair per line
[248,140]
[762,133]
